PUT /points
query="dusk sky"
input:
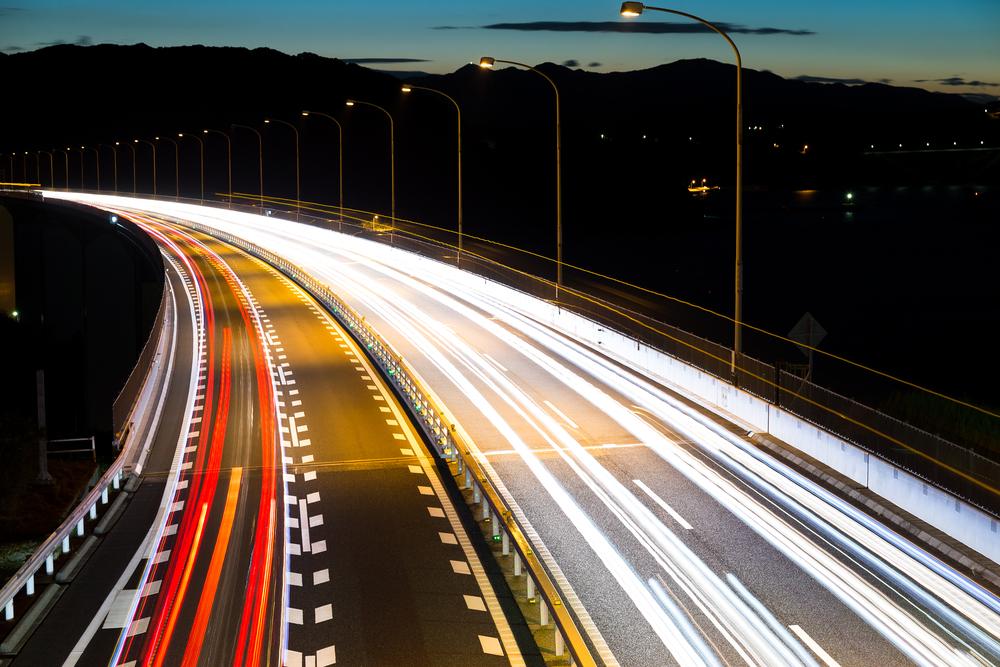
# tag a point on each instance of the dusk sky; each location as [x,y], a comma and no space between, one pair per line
[952,46]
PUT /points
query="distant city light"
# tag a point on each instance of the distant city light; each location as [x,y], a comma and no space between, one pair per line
[850,196]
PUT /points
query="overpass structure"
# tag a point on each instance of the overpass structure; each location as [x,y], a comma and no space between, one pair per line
[634,501]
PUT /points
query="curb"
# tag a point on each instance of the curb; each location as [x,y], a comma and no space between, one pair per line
[877,508]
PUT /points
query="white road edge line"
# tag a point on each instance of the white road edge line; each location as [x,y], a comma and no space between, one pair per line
[154,534]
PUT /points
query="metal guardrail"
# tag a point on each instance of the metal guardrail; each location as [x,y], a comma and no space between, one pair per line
[85,515]
[447,444]
[124,405]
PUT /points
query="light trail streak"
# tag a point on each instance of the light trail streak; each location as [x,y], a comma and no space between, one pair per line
[911,589]
[210,584]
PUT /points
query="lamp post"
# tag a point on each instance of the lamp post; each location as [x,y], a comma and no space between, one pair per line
[392,163]
[458,115]
[153,146]
[177,165]
[81,167]
[52,169]
[97,157]
[66,160]
[38,167]
[24,167]
[229,160]
[298,193]
[132,148]
[260,163]
[340,159]
[635,9]
[487,62]
[201,159]
[114,154]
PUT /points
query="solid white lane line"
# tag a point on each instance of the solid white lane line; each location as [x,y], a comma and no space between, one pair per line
[813,646]
[304,525]
[562,415]
[663,504]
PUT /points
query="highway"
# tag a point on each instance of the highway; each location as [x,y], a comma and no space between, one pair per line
[680,540]
[288,513]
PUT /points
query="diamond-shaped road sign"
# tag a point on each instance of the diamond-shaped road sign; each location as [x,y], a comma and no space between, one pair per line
[808,332]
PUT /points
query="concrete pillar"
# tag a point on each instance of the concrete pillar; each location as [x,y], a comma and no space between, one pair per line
[506,543]
[560,643]
[48,564]
[93,511]
[65,545]
[79,528]
[531,587]
[29,587]
[475,493]
[116,480]
[543,613]
[104,496]
[496,524]
[517,564]
[8,610]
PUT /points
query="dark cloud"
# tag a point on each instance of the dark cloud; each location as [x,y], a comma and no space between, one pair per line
[382,61]
[13,48]
[653,27]
[594,64]
[808,78]
[571,63]
[82,40]
[959,81]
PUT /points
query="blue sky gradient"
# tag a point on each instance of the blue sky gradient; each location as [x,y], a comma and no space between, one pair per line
[912,42]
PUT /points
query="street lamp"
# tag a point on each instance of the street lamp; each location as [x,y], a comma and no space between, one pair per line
[52,169]
[298,193]
[97,157]
[229,160]
[340,159]
[153,146]
[132,148]
[635,9]
[201,158]
[114,152]
[82,148]
[66,160]
[487,62]
[260,163]
[392,163]
[177,166]
[458,114]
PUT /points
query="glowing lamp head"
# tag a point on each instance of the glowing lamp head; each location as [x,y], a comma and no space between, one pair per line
[204,131]
[118,143]
[487,62]
[406,89]
[350,103]
[180,134]
[305,113]
[631,9]
[267,121]
[157,138]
